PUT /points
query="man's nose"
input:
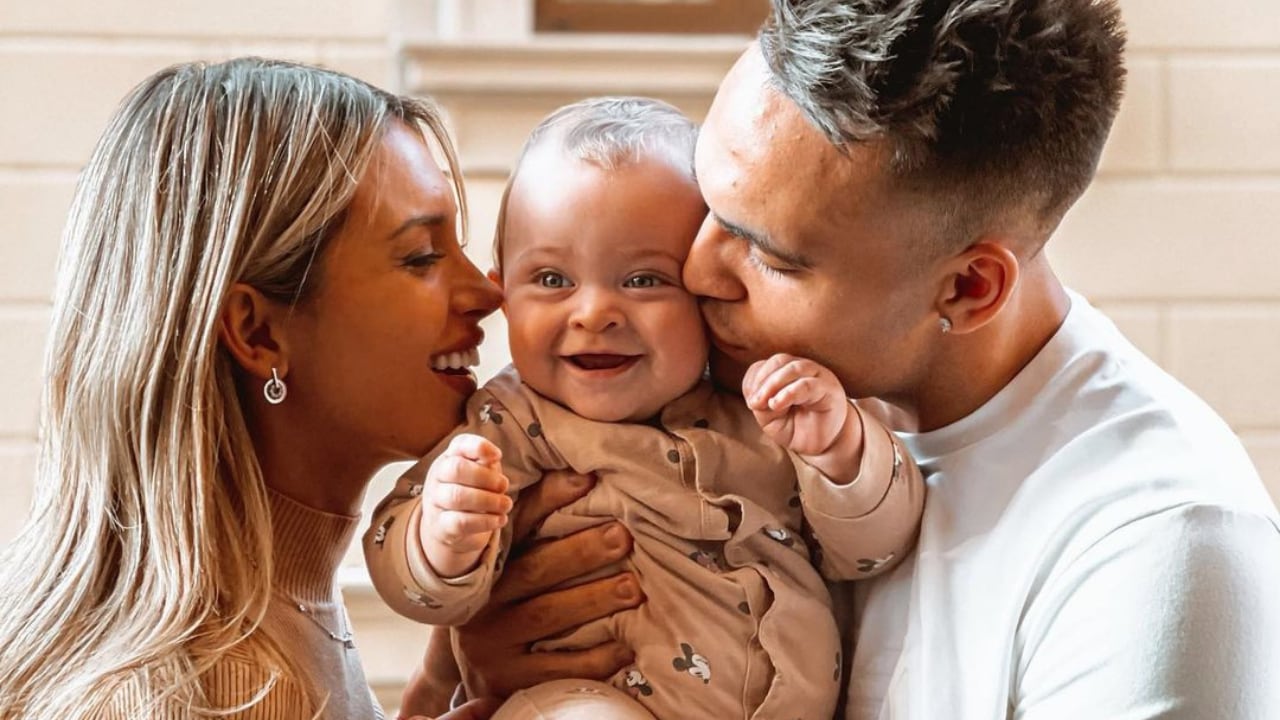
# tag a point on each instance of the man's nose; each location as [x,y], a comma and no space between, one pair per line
[709,270]
[596,310]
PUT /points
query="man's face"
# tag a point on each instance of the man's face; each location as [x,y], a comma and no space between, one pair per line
[807,250]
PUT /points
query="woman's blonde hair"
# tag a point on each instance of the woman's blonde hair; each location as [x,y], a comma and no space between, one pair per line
[148,551]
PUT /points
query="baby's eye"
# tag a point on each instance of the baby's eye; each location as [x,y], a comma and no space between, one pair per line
[642,281]
[551,279]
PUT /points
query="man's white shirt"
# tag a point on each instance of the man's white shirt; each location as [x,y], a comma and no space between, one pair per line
[1095,544]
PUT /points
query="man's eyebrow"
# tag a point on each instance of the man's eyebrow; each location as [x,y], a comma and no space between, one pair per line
[761,242]
[428,221]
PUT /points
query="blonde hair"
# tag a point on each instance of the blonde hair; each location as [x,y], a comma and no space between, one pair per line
[148,551]
[608,132]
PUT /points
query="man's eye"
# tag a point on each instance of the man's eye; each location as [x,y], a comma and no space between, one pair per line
[551,280]
[764,267]
[642,281]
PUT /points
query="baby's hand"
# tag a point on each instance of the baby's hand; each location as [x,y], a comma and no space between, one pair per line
[802,406]
[463,502]
[798,403]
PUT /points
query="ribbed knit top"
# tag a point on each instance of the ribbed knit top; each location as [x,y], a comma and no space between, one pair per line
[309,547]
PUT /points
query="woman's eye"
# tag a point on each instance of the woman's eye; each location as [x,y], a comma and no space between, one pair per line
[642,281]
[551,280]
[422,260]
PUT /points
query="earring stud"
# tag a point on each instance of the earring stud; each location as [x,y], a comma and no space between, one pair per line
[944,324]
[274,390]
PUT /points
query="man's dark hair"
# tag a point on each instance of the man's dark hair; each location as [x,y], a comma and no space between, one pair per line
[994,104]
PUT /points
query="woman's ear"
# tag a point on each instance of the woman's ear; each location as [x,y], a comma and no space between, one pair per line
[251,329]
[977,285]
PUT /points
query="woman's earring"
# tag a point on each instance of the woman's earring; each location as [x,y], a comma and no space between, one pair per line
[944,323]
[275,390]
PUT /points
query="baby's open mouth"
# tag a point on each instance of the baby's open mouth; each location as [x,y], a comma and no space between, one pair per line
[601,361]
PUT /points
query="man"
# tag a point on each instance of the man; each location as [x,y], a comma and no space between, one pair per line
[882,178]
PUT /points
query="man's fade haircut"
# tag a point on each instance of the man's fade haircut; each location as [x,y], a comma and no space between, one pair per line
[990,105]
[608,132]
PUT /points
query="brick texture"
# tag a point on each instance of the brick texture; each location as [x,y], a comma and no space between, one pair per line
[1176,241]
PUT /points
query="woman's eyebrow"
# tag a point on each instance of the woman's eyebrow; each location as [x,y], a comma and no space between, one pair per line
[428,221]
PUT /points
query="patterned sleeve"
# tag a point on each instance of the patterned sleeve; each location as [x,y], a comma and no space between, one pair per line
[397,564]
[865,527]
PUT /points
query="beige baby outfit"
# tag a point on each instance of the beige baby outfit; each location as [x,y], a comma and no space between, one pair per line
[728,528]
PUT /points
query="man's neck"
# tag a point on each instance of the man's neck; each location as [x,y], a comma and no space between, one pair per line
[974,367]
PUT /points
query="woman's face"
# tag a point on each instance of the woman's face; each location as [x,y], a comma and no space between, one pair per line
[396,300]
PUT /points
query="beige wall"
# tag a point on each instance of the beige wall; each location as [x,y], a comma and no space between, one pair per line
[1177,240]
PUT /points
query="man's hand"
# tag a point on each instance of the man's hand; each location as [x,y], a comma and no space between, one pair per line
[464,502]
[801,405]
[521,611]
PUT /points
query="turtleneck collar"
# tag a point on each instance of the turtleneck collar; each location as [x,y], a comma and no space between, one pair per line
[309,547]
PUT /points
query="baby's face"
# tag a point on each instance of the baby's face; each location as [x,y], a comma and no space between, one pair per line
[597,316]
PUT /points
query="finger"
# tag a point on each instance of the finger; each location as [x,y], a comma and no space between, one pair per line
[556,490]
[451,525]
[597,663]
[804,392]
[763,369]
[550,563]
[481,709]
[781,376]
[555,612]
[474,447]
[450,496]
[454,469]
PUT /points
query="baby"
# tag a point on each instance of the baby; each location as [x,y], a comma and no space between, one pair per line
[732,505]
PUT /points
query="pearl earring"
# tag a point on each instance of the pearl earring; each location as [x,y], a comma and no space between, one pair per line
[945,324]
[275,390]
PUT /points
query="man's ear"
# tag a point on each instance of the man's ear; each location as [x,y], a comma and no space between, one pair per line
[251,329]
[977,285]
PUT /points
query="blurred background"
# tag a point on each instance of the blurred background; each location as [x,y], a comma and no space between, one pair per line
[1177,240]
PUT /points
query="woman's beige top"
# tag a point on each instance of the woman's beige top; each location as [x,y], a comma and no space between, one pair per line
[309,548]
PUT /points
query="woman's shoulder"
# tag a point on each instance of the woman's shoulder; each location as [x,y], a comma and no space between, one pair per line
[239,679]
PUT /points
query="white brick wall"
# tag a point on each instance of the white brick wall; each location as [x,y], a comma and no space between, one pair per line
[1177,241]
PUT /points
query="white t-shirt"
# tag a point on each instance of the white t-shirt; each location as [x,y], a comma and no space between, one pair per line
[1095,544]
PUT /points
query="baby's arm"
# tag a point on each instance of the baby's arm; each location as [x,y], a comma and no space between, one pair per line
[411,518]
[863,506]
[464,503]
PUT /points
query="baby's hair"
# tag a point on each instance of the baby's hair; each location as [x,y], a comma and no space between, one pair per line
[608,132]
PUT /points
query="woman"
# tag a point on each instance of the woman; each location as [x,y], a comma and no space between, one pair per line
[261,300]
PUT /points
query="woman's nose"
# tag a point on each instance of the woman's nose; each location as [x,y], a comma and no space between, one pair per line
[475,295]
[709,268]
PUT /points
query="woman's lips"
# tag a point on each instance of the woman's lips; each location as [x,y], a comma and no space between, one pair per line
[461,379]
